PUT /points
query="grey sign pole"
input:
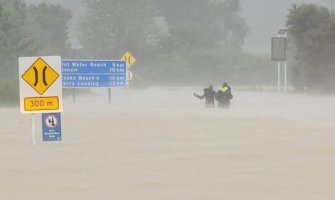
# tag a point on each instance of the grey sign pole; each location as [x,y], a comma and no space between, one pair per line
[285,75]
[285,64]
[279,85]
[33,129]
[109,95]
[278,89]
[278,53]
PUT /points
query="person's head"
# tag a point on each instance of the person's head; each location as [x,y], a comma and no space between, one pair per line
[210,87]
[224,84]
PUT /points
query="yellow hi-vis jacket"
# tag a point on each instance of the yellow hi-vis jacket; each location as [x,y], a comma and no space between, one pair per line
[224,89]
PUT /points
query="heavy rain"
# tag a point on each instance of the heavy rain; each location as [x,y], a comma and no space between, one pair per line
[167,99]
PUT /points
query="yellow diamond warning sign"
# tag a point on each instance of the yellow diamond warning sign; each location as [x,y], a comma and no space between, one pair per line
[40,76]
[40,84]
[130,59]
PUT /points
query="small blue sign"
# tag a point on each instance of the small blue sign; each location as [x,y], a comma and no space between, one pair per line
[51,127]
[93,73]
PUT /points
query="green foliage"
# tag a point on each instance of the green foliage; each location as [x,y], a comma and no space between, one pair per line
[304,18]
[202,41]
[13,44]
[203,24]
[204,66]
[9,93]
[203,45]
[28,31]
[13,41]
[313,29]
[112,27]
[47,25]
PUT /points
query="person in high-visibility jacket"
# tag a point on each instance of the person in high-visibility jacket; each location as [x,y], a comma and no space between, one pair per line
[223,96]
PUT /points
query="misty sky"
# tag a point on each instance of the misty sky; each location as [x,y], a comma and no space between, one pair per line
[264,17]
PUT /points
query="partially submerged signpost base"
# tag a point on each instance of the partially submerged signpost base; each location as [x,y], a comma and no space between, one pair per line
[40,87]
[33,129]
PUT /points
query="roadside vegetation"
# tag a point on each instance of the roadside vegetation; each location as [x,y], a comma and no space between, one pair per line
[175,42]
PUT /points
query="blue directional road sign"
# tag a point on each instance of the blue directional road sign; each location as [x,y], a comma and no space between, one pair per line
[94,73]
[51,127]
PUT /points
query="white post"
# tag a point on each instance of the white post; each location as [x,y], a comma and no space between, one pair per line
[285,76]
[33,129]
[285,69]
[278,72]
[278,77]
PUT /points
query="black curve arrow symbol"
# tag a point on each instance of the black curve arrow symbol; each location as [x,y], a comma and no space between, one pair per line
[36,76]
[44,81]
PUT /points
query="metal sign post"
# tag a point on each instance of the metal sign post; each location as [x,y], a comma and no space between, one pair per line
[109,95]
[278,53]
[278,89]
[281,33]
[73,96]
[33,129]
[285,77]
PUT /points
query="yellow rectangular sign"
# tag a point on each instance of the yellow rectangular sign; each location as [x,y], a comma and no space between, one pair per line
[41,103]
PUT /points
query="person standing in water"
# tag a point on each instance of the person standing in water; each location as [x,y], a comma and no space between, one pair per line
[209,95]
[223,96]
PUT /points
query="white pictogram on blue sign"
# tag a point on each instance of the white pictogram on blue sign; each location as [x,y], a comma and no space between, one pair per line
[51,127]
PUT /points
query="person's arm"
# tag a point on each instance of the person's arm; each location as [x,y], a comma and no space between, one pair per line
[200,97]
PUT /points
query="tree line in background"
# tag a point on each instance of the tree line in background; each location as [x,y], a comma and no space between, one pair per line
[175,42]
[28,31]
[312,30]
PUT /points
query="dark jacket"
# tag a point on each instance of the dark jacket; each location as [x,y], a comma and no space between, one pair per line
[209,96]
[223,96]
